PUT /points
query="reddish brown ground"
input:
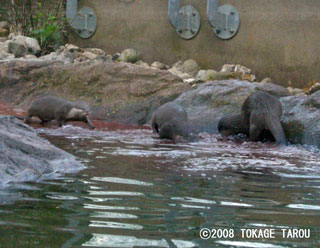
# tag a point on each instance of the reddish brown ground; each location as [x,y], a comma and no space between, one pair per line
[8,109]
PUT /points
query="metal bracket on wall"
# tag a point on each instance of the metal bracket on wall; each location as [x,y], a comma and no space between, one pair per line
[84,22]
[186,20]
[224,19]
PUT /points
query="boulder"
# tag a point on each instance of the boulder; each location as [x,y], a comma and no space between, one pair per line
[142,63]
[301,118]
[21,45]
[129,55]
[71,48]
[89,55]
[205,75]
[266,80]
[295,91]
[24,156]
[177,69]
[241,70]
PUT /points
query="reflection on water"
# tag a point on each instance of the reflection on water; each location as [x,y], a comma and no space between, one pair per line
[139,191]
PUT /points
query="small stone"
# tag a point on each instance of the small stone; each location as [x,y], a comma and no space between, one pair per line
[97,51]
[4,25]
[17,49]
[142,63]
[189,81]
[314,88]
[89,55]
[266,80]
[205,75]
[191,67]
[3,39]
[159,65]
[129,55]
[235,68]
[71,48]
[5,55]
[30,56]
[30,45]
[4,32]
[115,56]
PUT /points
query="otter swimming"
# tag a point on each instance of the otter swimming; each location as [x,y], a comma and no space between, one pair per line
[260,111]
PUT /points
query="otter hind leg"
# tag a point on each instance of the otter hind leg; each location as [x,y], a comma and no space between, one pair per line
[256,126]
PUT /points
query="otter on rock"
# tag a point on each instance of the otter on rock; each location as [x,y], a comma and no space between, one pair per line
[50,108]
[170,120]
[260,111]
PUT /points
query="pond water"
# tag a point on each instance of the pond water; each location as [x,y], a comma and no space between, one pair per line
[139,191]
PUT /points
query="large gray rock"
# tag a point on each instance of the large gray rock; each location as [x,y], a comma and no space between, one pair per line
[208,102]
[30,45]
[24,156]
[301,118]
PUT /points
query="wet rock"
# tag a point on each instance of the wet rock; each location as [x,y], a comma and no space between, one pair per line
[205,75]
[295,91]
[314,88]
[159,65]
[64,57]
[300,118]
[24,156]
[208,102]
[129,55]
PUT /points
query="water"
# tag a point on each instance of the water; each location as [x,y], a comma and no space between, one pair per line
[139,191]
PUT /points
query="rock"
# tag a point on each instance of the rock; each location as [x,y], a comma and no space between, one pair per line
[266,80]
[65,57]
[273,89]
[115,56]
[17,49]
[96,51]
[121,92]
[177,69]
[208,102]
[4,25]
[190,67]
[243,71]
[159,65]
[89,55]
[30,56]
[205,75]
[21,45]
[4,55]
[11,36]
[314,88]
[3,39]
[24,156]
[129,55]
[295,91]
[300,118]
[142,63]
[226,76]
[4,32]
[71,48]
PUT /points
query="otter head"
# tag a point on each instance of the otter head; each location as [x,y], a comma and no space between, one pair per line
[232,125]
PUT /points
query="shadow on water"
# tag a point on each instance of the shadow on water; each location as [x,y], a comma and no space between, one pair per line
[139,191]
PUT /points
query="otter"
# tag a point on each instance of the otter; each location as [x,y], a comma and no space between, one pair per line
[50,108]
[170,120]
[260,111]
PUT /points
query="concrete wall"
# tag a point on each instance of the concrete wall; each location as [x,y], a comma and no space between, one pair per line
[277,38]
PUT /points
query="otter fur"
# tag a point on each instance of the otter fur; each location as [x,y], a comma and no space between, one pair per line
[260,111]
[170,120]
[50,108]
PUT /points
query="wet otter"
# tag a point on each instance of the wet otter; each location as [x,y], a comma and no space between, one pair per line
[50,108]
[170,120]
[260,111]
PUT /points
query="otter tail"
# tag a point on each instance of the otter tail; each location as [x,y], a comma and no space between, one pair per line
[276,129]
